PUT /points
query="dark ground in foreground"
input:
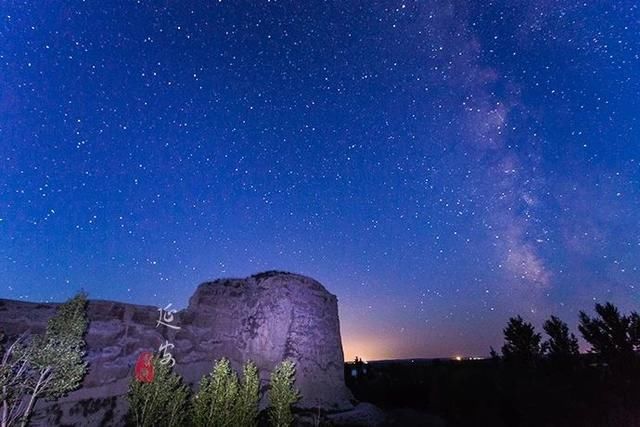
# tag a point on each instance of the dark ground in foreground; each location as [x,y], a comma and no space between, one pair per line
[492,393]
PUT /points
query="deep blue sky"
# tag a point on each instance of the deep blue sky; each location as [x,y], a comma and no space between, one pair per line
[438,165]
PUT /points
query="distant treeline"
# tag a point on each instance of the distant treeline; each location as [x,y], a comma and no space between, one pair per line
[533,381]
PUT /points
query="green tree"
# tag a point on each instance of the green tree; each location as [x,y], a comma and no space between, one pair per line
[249,396]
[49,366]
[282,394]
[613,336]
[562,346]
[162,402]
[214,405]
[522,343]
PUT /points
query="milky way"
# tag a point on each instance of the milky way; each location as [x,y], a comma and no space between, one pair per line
[439,166]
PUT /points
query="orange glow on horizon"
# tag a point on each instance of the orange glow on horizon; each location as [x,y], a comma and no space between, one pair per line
[365,350]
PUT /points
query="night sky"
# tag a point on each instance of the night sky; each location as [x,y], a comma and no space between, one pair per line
[438,165]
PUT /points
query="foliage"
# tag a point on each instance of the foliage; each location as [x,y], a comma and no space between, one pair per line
[613,336]
[70,322]
[162,402]
[561,346]
[215,402]
[221,401]
[249,396]
[13,371]
[522,343]
[493,354]
[50,366]
[282,394]
[490,392]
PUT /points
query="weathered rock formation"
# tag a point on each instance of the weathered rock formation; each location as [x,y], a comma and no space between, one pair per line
[265,318]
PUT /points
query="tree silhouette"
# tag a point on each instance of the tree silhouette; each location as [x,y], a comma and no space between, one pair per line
[562,346]
[522,343]
[493,354]
[613,336]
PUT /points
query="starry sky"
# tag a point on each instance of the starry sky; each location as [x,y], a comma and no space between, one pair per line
[439,165]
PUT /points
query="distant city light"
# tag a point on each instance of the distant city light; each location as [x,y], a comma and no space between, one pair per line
[461,358]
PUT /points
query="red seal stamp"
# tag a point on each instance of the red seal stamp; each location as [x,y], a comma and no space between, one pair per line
[144,367]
